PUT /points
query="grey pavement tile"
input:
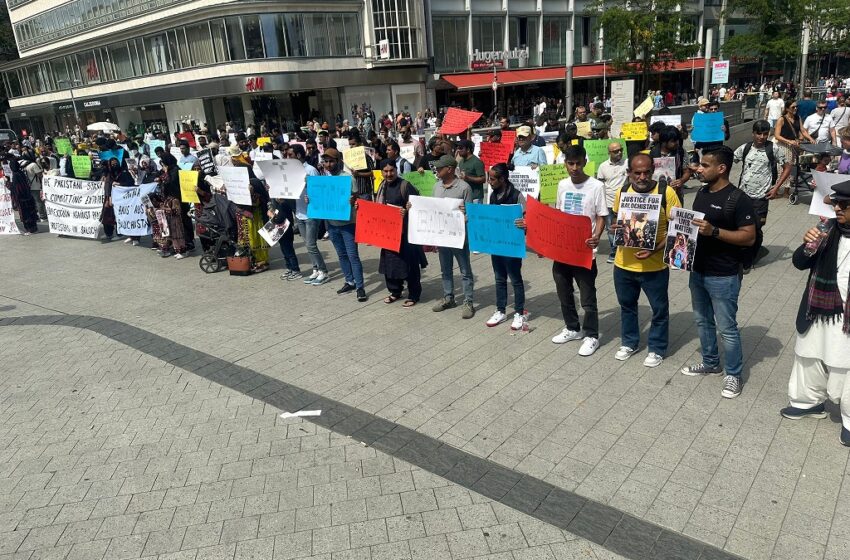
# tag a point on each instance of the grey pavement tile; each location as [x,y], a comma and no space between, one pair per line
[367,533]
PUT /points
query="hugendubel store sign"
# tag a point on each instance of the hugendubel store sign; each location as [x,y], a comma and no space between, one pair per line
[487,60]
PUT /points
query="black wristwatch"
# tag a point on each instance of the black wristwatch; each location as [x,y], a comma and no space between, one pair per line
[715,233]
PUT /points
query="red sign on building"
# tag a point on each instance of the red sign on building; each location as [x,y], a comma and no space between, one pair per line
[255,84]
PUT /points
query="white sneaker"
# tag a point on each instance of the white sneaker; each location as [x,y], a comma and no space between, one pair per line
[320,279]
[312,277]
[624,353]
[566,335]
[516,324]
[180,256]
[653,360]
[135,243]
[128,240]
[588,346]
[496,319]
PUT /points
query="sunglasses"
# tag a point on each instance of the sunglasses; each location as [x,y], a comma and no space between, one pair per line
[843,204]
[821,108]
[521,137]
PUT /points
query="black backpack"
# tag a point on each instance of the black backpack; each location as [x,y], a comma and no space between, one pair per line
[771,158]
[748,254]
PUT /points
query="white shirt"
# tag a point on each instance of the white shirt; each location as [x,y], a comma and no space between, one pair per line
[775,108]
[840,117]
[583,199]
[613,175]
[821,125]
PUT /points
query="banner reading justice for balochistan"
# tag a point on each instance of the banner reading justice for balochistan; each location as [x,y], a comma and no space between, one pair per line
[73,206]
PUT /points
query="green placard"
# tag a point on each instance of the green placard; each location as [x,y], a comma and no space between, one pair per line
[424,183]
[62,145]
[597,152]
[550,176]
[82,166]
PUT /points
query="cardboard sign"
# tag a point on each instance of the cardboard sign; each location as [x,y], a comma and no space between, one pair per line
[622,104]
[81,166]
[63,146]
[708,127]
[424,182]
[73,206]
[436,221]
[645,107]
[682,237]
[492,229]
[330,197]
[285,177]
[237,184]
[207,161]
[379,225]
[8,226]
[583,129]
[669,120]
[597,152]
[638,215]
[634,131]
[823,188]
[526,180]
[263,140]
[458,121]
[558,236]
[188,184]
[492,153]
[550,176]
[130,214]
[355,158]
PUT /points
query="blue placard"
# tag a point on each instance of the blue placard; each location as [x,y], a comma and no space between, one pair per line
[153,145]
[707,127]
[186,165]
[330,197]
[107,155]
[491,229]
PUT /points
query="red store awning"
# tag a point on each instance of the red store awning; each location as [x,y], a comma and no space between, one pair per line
[480,80]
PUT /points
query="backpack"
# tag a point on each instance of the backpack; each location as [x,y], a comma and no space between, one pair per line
[747,254]
[771,158]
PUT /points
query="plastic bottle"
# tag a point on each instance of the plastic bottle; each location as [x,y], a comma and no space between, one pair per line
[824,226]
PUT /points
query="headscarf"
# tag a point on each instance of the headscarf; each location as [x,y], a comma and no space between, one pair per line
[823,299]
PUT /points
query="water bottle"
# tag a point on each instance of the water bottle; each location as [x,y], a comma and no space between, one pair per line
[824,226]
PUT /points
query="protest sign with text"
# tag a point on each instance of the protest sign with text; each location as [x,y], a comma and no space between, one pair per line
[597,153]
[153,145]
[638,217]
[81,166]
[708,127]
[130,214]
[8,226]
[236,184]
[583,129]
[436,221]
[379,225]
[107,155]
[645,107]
[205,158]
[550,176]
[492,229]
[492,153]
[682,236]
[329,197]
[634,131]
[408,152]
[558,236]
[424,182]
[823,188]
[669,120]
[526,180]
[355,158]
[664,167]
[188,184]
[285,177]
[272,232]
[457,121]
[73,205]
[63,146]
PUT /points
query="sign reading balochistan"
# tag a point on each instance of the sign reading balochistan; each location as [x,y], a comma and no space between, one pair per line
[255,84]
[480,60]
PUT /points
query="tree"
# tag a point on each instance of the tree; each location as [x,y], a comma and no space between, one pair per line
[645,35]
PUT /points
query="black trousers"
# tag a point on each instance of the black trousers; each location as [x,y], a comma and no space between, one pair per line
[414,285]
[564,275]
[188,228]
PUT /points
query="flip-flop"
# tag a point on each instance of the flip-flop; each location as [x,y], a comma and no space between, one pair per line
[390,299]
[409,303]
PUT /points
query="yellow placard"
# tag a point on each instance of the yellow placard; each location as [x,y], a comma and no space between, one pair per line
[644,107]
[583,129]
[355,158]
[634,131]
[556,151]
[379,176]
[188,184]
[263,140]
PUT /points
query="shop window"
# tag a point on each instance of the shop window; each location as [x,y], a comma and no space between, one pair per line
[295,40]
[60,72]
[121,61]
[219,40]
[317,26]
[353,42]
[158,54]
[450,46]
[273,35]
[89,67]
[253,36]
[236,47]
[488,33]
[554,40]
[200,44]
[522,32]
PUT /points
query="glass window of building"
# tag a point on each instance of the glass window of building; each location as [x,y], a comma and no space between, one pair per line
[554,39]
[137,52]
[236,47]
[273,35]
[200,44]
[392,24]
[337,23]
[89,67]
[450,46]
[179,48]
[121,60]
[157,53]
[317,27]
[353,42]
[522,33]
[253,36]
[60,72]
[295,38]
[488,33]
[14,83]
[219,40]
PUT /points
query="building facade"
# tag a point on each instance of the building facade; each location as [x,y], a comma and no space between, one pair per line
[162,63]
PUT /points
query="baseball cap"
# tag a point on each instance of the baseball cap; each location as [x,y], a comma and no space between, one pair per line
[331,153]
[445,161]
[523,131]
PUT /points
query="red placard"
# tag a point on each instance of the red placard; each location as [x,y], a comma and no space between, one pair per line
[189,137]
[558,236]
[492,153]
[457,121]
[509,138]
[379,225]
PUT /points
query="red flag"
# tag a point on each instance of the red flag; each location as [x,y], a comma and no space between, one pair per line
[457,121]
[492,153]
[379,225]
[558,236]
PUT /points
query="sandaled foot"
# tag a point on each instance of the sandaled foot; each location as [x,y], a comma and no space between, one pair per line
[390,299]
[409,303]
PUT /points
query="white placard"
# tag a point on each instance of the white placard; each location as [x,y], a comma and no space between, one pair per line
[638,217]
[823,188]
[8,226]
[526,180]
[236,184]
[130,214]
[73,206]
[285,177]
[436,221]
[720,72]
[622,104]
[408,152]
[669,120]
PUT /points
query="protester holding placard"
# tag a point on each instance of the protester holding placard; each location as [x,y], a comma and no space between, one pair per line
[450,186]
[580,194]
[637,269]
[394,153]
[22,198]
[111,172]
[670,145]
[173,240]
[715,282]
[471,169]
[526,152]
[612,172]
[404,265]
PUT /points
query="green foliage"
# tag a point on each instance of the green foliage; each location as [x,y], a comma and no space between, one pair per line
[8,48]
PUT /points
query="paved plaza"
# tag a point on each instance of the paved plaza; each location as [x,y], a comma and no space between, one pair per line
[140,402]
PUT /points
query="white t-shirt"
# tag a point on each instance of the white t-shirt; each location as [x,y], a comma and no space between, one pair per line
[840,117]
[775,108]
[583,199]
[821,125]
[614,177]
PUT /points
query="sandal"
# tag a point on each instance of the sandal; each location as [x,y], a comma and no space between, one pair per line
[390,299]
[409,303]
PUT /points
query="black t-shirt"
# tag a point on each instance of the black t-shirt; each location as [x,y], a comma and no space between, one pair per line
[713,256]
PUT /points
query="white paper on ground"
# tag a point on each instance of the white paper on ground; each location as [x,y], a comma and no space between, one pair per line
[301,413]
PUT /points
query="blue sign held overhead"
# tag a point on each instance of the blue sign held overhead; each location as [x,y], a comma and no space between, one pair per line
[491,229]
[708,127]
[330,197]
[107,155]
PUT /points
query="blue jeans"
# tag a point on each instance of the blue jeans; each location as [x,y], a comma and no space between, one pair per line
[310,233]
[610,219]
[715,304]
[628,286]
[288,250]
[346,249]
[447,258]
[504,268]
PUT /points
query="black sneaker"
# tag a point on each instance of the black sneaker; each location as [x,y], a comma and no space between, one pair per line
[346,288]
[701,369]
[361,295]
[794,413]
[731,387]
[844,438]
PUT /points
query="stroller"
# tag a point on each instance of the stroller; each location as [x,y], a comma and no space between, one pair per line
[217,227]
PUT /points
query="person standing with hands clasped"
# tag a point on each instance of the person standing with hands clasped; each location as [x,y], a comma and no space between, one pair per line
[715,282]
[822,352]
[581,195]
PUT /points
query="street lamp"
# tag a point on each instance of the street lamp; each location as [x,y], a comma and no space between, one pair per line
[71,84]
